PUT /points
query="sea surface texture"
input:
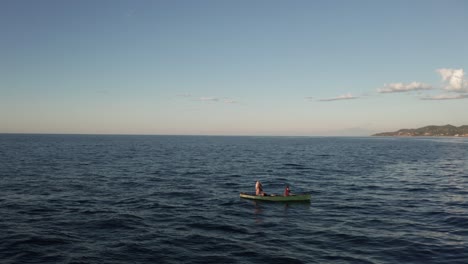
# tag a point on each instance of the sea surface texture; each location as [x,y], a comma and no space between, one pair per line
[175,199]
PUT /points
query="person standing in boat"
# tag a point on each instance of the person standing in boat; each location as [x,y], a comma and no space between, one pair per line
[287,191]
[259,189]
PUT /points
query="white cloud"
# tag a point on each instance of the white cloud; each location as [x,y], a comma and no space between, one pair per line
[445,97]
[454,79]
[402,87]
[230,101]
[208,99]
[214,99]
[341,97]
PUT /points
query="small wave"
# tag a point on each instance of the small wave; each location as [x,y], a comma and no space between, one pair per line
[212,259]
[458,221]
[218,228]
[293,166]
[24,248]
[353,239]
[245,253]
[280,260]
[39,241]
[417,189]
[23,256]
[230,203]
[346,259]
[120,223]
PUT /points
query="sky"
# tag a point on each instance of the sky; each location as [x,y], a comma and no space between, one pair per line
[281,68]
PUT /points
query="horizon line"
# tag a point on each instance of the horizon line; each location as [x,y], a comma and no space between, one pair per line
[182,135]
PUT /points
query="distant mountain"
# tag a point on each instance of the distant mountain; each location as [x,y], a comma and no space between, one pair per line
[429,131]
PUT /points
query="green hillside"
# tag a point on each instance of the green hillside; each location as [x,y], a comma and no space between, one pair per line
[429,131]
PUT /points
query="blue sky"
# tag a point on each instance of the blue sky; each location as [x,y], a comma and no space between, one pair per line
[232,67]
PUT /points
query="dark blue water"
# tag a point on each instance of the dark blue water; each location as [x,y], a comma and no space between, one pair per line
[170,199]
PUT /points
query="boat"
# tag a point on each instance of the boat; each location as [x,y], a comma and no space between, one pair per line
[277,198]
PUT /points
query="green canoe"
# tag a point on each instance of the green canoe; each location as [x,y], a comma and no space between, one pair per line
[278,198]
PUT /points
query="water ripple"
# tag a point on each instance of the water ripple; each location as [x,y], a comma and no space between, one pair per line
[170,199]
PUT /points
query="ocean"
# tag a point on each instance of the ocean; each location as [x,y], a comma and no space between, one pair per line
[175,199]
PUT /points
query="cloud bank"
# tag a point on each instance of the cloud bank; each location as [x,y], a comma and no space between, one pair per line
[341,97]
[401,87]
[454,80]
[225,100]
[445,97]
[208,99]
[230,101]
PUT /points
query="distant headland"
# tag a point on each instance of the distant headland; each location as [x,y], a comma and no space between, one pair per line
[429,131]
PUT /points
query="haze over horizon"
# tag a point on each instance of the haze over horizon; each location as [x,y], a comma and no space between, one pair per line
[293,68]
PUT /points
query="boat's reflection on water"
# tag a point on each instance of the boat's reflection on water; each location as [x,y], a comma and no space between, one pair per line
[265,209]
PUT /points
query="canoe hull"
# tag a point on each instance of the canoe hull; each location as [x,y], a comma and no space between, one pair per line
[277,198]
